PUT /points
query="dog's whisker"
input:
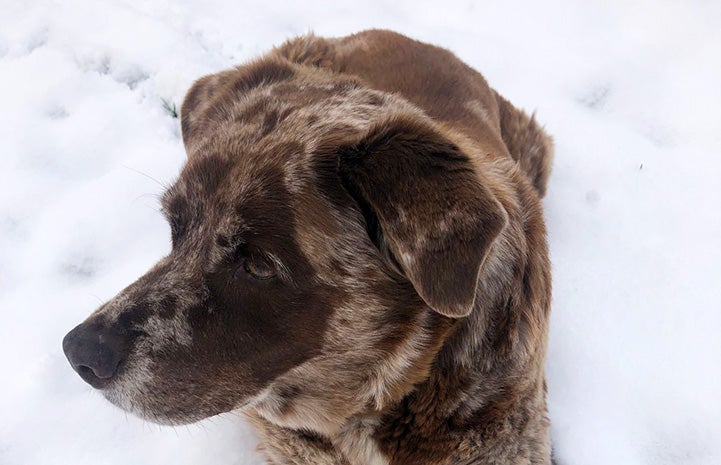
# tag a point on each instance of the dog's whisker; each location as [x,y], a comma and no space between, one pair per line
[96,297]
[161,184]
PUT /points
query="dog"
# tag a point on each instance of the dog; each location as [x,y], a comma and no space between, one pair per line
[359,264]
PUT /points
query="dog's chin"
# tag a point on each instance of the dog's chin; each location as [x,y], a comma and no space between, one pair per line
[164,409]
[163,414]
[141,410]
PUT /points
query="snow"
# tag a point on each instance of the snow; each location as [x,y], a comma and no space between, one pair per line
[630,91]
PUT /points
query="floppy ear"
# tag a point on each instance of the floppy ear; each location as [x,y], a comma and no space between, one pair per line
[434,213]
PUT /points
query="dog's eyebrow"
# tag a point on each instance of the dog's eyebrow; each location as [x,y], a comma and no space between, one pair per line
[231,239]
[281,268]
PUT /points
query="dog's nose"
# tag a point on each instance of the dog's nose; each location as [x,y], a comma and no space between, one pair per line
[94,352]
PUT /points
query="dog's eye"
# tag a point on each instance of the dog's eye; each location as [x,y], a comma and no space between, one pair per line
[259,268]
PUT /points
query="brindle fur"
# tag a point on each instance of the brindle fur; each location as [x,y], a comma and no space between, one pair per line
[397,196]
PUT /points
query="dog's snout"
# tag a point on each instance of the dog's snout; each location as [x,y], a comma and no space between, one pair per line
[95,352]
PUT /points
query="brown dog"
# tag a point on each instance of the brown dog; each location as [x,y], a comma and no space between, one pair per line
[359,264]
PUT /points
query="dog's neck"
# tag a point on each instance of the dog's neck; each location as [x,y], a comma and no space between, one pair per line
[460,403]
[485,380]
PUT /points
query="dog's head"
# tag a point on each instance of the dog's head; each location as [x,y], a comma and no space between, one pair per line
[325,239]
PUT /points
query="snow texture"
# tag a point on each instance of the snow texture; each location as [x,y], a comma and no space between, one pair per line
[630,90]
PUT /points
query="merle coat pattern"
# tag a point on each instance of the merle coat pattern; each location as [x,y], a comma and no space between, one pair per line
[359,264]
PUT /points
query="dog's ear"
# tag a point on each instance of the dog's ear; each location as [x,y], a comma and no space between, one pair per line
[207,99]
[196,103]
[433,211]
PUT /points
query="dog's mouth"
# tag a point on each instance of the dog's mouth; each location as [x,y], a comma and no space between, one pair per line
[138,389]
[144,401]
[175,412]
[153,381]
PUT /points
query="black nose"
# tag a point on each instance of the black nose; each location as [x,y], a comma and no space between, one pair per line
[94,352]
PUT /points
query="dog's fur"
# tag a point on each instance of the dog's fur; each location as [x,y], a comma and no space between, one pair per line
[395,196]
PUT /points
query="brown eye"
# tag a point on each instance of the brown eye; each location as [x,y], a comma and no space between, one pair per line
[259,268]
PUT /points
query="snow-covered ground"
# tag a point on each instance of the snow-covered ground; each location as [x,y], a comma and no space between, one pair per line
[630,90]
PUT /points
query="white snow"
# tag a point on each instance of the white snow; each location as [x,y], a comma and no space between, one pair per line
[630,90]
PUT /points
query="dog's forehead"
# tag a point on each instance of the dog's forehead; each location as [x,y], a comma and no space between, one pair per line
[236,174]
